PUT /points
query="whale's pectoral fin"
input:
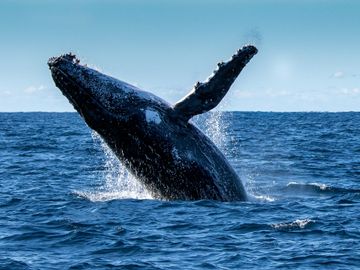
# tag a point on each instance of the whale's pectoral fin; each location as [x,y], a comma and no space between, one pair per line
[205,96]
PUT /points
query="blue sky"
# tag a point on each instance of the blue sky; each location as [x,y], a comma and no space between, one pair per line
[308,60]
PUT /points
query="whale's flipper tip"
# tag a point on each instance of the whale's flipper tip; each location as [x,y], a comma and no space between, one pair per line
[207,95]
[250,50]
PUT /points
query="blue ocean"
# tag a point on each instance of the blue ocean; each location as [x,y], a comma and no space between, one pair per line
[67,203]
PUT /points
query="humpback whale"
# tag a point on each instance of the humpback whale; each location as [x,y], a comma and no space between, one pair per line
[153,139]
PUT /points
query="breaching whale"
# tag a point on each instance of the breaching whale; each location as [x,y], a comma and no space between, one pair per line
[156,141]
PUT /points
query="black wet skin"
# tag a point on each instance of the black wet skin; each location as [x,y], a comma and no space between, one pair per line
[156,142]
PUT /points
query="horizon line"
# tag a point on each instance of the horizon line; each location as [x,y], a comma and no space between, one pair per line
[257,111]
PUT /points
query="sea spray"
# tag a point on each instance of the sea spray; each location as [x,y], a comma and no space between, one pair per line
[118,183]
[216,126]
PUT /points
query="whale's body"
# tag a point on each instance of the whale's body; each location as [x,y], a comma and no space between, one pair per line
[154,140]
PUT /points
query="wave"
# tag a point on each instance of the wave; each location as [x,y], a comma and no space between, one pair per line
[294,225]
[260,198]
[298,224]
[8,263]
[317,189]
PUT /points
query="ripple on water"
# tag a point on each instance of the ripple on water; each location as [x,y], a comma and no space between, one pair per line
[66,202]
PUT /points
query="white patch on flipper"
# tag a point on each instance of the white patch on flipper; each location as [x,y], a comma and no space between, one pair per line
[152,116]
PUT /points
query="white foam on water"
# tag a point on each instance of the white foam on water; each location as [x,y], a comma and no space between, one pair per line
[102,196]
[320,185]
[117,182]
[261,198]
[297,224]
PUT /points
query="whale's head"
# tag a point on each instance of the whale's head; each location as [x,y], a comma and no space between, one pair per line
[100,99]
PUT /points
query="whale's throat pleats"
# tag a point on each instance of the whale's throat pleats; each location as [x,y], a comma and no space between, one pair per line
[207,95]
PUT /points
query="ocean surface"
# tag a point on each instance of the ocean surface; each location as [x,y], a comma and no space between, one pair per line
[67,203]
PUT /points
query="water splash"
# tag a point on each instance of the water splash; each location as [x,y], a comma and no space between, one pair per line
[215,128]
[118,183]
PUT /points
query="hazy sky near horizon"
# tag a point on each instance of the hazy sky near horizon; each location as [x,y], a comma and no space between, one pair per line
[308,60]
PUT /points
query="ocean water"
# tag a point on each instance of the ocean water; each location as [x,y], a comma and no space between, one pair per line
[66,202]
